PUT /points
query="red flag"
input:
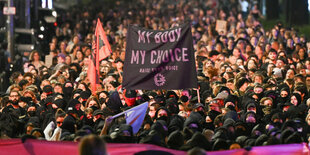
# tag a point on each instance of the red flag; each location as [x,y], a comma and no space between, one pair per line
[101,50]
[92,74]
[102,42]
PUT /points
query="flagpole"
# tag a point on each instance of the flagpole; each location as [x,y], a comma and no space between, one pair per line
[120,114]
[198,95]
[120,75]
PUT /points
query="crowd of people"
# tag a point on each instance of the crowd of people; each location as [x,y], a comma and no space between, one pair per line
[253,83]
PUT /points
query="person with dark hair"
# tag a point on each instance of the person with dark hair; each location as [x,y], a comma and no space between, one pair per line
[52,132]
[252,83]
[196,151]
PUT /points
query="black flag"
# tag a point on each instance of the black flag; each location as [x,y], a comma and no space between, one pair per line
[159,59]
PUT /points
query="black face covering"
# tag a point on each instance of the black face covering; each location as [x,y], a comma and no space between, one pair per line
[202,113]
[28,99]
[209,126]
[84,103]
[250,125]
[259,95]
[102,100]
[15,102]
[31,113]
[164,118]
[283,99]
[68,90]
[277,124]
[231,107]
[240,132]
[94,108]
[231,135]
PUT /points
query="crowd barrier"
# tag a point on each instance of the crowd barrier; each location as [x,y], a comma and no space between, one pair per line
[38,147]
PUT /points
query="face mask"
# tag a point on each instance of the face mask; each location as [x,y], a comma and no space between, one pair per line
[231,107]
[94,108]
[15,102]
[83,103]
[284,99]
[259,95]
[251,125]
[209,126]
[102,100]
[240,132]
[28,99]
[277,124]
[164,118]
[31,113]
[201,113]
[68,90]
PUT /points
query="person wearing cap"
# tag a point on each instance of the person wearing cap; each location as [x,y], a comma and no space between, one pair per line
[47,91]
[231,102]
[198,107]
[69,123]
[214,106]
[130,97]
[98,119]
[221,96]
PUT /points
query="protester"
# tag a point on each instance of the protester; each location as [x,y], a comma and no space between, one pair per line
[253,82]
[92,145]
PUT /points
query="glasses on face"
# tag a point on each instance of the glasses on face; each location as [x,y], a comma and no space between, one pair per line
[13,95]
[59,122]
[213,101]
